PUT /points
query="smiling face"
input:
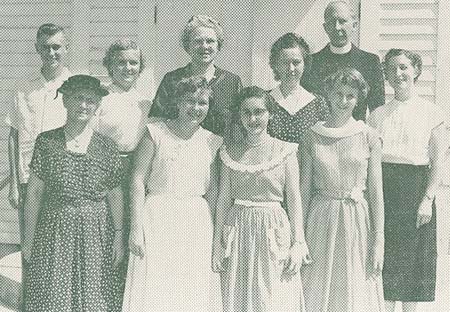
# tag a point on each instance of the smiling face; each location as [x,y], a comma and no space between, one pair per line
[193,107]
[400,72]
[125,67]
[254,115]
[203,45]
[52,50]
[342,99]
[289,65]
[339,24]
[81,104]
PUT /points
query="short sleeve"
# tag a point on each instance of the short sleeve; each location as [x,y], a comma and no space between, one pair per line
[373,137]
[38,164]
[12,117]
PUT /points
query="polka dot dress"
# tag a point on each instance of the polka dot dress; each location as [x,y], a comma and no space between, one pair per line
[291,128]
[70,267]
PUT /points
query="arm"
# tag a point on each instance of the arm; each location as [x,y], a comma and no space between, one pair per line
[437,149]
[224,202]
[13,157]
[213,188]
[142,163]
[115,200]
[299,251]
[305,178]
[376,202]
[32,206]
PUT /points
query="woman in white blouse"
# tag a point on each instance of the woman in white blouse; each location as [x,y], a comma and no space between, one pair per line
[122,116]
[413,148]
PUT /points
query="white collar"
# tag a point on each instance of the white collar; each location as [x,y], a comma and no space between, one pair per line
[350,128]
[114,88]
[293,102]
[341,50]
[57,81]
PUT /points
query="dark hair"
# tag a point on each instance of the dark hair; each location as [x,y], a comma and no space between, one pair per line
[247,93]
[416,60]
[191,85]
[48,30]
[287,41]
[349,77]
[121,45]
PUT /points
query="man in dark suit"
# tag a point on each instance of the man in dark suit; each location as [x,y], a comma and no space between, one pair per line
[339,24]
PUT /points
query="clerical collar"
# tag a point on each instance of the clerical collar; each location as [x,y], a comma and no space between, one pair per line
[341,50]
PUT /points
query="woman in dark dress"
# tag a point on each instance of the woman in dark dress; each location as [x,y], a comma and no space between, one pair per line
[297,109]
[413,150]
[73,210]
[202,39]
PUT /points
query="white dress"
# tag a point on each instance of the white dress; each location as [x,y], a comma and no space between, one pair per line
[175,273]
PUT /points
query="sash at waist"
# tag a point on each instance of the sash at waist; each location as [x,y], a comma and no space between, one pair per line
[250,203]
[356,194]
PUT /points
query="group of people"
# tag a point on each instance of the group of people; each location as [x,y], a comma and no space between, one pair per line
[218,197]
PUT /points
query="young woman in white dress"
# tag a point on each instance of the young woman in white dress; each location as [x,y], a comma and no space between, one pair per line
[171,221]
[343,199]
[259,245]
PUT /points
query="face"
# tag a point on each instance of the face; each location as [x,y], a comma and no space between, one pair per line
[339,25]
[203,45]
[400,73]
[343,99]
[125,67]
[52,50]
[193,108]
[290,65]
[254,115]
[81,105]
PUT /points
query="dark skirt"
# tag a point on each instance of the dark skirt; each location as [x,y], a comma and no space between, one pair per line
[409,272]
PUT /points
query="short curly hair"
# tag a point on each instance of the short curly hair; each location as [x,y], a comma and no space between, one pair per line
[121,45]
[288,41]
[197,21]
[196,85]
[416,60]
[350,77]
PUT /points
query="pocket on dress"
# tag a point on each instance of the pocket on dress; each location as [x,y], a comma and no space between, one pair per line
[228,236]
[280,242]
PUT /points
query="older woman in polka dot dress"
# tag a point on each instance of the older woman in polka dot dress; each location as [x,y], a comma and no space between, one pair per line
[297,109]
[72,236]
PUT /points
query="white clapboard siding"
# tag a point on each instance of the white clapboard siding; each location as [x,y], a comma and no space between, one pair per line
[109,21]
[19,21]
[408,24]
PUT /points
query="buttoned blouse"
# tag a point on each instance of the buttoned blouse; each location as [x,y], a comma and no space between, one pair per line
[35,109]
[405,128]
[122,116]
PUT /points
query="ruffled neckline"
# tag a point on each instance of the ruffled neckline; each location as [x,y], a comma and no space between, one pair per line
[287,149]
[351,128]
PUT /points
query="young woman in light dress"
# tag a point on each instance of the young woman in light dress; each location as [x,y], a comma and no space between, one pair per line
[171,222]
[343,200]
[259,245]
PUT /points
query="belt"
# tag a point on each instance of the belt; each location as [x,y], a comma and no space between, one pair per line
[250,203]
[356,194]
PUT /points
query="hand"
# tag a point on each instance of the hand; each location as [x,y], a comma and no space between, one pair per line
[26,250]
[136,241]
[298,255]
[13,196]
[425,212]
[217,258]
[378,254]
[118,249]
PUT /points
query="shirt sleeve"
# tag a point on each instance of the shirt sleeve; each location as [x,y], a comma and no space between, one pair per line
[12,117]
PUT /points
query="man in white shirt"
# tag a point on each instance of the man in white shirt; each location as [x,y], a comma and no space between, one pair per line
[35,109]
[340,24]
